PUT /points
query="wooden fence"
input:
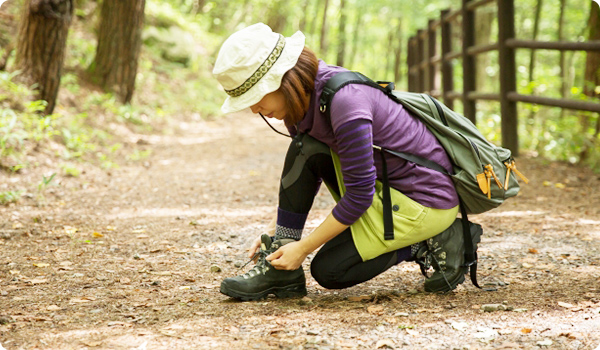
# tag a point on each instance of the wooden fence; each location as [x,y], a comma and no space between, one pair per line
[425,62]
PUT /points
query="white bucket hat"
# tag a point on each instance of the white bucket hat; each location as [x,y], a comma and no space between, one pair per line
[252,62]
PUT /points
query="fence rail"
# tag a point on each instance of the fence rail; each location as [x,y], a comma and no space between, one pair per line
[424,64]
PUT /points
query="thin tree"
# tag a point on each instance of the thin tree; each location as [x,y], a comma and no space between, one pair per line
[341,52]
[591,86]
[536,29]
[561,36]
[324,43]
[356,30]
[398,53]
[119,43]
[41,44]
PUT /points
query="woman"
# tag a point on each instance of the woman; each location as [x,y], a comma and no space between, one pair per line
[279,78]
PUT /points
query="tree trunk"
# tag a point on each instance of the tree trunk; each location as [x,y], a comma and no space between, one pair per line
[483,31]
[355,37]
[277,15]
[398,55]
[304,20]
[536,29]
[563,73]
[41,45]
[341,53]
[591,86]
[324,43]
[119,42]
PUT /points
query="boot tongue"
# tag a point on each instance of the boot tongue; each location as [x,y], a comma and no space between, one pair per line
[265,242]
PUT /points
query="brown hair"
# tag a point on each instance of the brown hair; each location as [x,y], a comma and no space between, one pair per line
[297,85]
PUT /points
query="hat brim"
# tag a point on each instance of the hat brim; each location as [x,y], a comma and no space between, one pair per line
[272,80]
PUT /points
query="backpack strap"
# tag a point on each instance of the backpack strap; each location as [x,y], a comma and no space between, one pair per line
[338,81]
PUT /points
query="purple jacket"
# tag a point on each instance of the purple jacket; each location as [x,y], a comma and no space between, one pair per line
[360,117]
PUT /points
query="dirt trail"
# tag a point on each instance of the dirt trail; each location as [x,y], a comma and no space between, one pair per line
[132,259]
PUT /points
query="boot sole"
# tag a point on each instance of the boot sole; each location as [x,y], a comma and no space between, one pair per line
[460,278]
[291,291]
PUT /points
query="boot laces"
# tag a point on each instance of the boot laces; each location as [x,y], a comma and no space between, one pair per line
[433,255]
[261,266]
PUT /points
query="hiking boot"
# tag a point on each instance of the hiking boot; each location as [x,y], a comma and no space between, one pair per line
[263,279]
[446,253]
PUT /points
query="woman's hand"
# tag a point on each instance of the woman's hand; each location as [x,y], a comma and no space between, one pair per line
[288,257]
[255,246]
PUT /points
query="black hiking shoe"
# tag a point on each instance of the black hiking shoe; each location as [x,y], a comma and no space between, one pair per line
[446,253]
[263,279]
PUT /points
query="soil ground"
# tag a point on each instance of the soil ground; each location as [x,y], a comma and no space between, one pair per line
[132,259]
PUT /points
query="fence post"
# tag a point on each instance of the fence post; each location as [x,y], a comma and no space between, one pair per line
[508,80]
[431,46]
[468,61]
[421,58]
[447,76]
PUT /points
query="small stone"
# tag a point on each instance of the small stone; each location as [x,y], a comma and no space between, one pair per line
[156,283]
[305,301]
[545,342]
[401,314]
[493,307]
[78,275]
[215,268]
[96,311]
[312,332]
[137,257]
[238,264]
[413,292]
[5,320]
[3,293]
[520,310]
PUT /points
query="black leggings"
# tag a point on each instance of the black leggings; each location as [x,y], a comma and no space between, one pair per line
[337,264]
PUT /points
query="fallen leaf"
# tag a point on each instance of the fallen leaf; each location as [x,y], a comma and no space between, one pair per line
[70,230]
[142,236]
[560,185]
[533,251]
[110,228]
[385,343]
[41,265]
[97,234]
[53,308]
[38,281]
[14,272]
[565,305]
[359,298]
[138,231]
[82,300]
[526,330]
[376,309]
[168,333]
[92,344]
[413,332]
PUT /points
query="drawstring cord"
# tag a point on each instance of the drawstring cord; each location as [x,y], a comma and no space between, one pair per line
[271,126]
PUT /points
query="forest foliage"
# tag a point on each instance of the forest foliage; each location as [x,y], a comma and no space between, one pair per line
[181,39]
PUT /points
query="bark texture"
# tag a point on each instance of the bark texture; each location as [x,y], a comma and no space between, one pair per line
[41,45]
[119,43]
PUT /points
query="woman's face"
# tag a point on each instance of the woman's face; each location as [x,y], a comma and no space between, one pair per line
[271,106]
